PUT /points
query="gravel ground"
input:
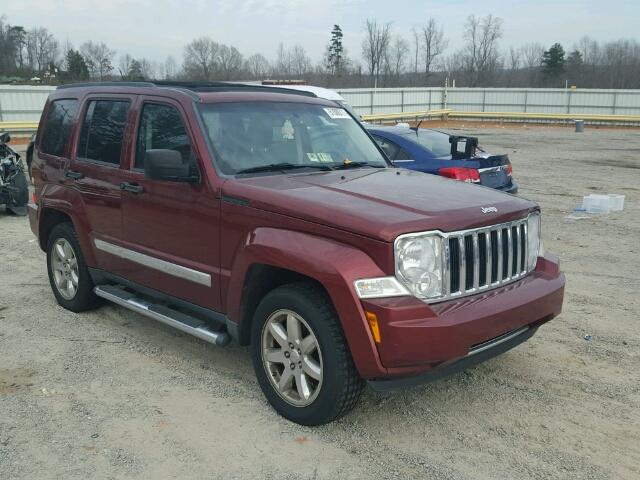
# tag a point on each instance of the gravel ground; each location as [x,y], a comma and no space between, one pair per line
[110,394]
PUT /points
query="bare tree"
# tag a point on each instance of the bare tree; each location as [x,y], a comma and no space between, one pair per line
[532,55]
[200,58]
[481,57]
[257,66]
[124,65]
[514,59]
[170,68]
[98,58]
[397,56]
[42,49]
[229,62]
[374,47]
[300,61]
[417,37]
[433,44]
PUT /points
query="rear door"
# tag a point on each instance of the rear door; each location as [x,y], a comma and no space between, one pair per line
[95,169]
[170,229]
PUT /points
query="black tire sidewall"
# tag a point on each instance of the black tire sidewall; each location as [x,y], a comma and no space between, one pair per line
[324,407]
[20,182]
[84,298]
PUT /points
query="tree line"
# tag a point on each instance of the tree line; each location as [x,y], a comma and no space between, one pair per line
[386,59]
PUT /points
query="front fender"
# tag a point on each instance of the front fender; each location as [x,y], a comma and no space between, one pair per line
[334,265]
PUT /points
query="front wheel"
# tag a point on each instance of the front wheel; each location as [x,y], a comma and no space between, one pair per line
[300,356]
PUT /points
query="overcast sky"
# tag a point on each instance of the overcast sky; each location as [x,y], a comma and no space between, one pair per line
[158,28]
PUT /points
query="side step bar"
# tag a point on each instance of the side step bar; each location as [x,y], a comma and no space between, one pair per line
[183,322]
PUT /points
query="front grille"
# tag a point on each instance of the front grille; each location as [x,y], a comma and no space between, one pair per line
[485,258]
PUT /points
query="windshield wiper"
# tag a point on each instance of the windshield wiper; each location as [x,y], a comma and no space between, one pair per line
[346,165]
[274,167]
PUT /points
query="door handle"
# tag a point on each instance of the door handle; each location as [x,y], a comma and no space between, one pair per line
[73,174]
[131,187]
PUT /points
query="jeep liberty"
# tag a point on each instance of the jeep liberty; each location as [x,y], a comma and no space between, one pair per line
[271,217]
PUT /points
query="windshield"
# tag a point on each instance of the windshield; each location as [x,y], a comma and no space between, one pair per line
[349,109]
[436,142]
[247,136]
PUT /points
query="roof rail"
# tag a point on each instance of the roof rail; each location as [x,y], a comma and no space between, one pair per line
[105,84]
[193,86]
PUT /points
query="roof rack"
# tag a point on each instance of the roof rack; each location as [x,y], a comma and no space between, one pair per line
[193,86]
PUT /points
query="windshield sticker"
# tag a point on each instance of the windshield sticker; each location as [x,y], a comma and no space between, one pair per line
[312,157]
[325,157]
[336,113]
[288,132]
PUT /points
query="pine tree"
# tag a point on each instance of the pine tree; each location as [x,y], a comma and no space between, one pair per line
[335,51]
[76,66]
[553,61]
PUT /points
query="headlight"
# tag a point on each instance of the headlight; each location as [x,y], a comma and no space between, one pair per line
[419,264]
[533,239]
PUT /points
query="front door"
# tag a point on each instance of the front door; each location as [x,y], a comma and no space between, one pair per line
[170,230]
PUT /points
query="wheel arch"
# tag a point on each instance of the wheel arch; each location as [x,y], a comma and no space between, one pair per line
[272,257]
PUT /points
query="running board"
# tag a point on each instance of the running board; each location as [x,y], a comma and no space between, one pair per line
[183,322]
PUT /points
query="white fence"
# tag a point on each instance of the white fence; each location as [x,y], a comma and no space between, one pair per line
[532,100]
[24,103]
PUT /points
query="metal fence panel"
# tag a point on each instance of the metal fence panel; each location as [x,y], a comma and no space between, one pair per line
[22,103]
[526,100]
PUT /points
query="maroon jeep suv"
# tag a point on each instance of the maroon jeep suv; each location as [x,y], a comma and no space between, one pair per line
[272,218]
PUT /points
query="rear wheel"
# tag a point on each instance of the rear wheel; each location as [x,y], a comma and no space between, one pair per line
[68,273]
[300,356]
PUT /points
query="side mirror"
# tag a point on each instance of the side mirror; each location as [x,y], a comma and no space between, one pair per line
[5,137]
[167,165]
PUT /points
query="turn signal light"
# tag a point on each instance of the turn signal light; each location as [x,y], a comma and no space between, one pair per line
[372,318]
[469,175]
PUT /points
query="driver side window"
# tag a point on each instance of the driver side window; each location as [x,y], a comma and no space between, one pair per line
[161,127]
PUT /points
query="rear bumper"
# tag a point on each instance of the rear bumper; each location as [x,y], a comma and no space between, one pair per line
[511,188]
[32,211]
[428,340]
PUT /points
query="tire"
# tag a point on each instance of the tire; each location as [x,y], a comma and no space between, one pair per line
[21,198]
[81,297]
[336,390]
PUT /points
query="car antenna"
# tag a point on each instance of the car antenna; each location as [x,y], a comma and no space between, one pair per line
[415,129]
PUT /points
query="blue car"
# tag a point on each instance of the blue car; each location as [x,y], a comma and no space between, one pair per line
[450,156]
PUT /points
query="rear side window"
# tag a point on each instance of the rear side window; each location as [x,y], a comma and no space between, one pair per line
[57,127]
[102,131]
[161,127]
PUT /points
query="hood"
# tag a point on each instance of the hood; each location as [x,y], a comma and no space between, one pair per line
[379,203]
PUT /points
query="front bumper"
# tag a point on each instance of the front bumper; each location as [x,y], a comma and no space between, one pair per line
[476,355]
[435,340]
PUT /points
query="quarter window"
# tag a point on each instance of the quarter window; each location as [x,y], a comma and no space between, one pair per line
[161,127]
[58,124]
[102,131]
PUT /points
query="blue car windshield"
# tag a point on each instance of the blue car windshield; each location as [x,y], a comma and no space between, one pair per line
[246,136]
[436,142]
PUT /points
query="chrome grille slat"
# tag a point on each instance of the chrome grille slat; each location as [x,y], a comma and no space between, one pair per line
[476,262]
[500,255]
[503,252]
[462,264]
[489,267]
[509,253]
[518,256]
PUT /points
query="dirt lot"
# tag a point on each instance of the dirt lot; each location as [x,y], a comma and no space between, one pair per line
[110,394]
